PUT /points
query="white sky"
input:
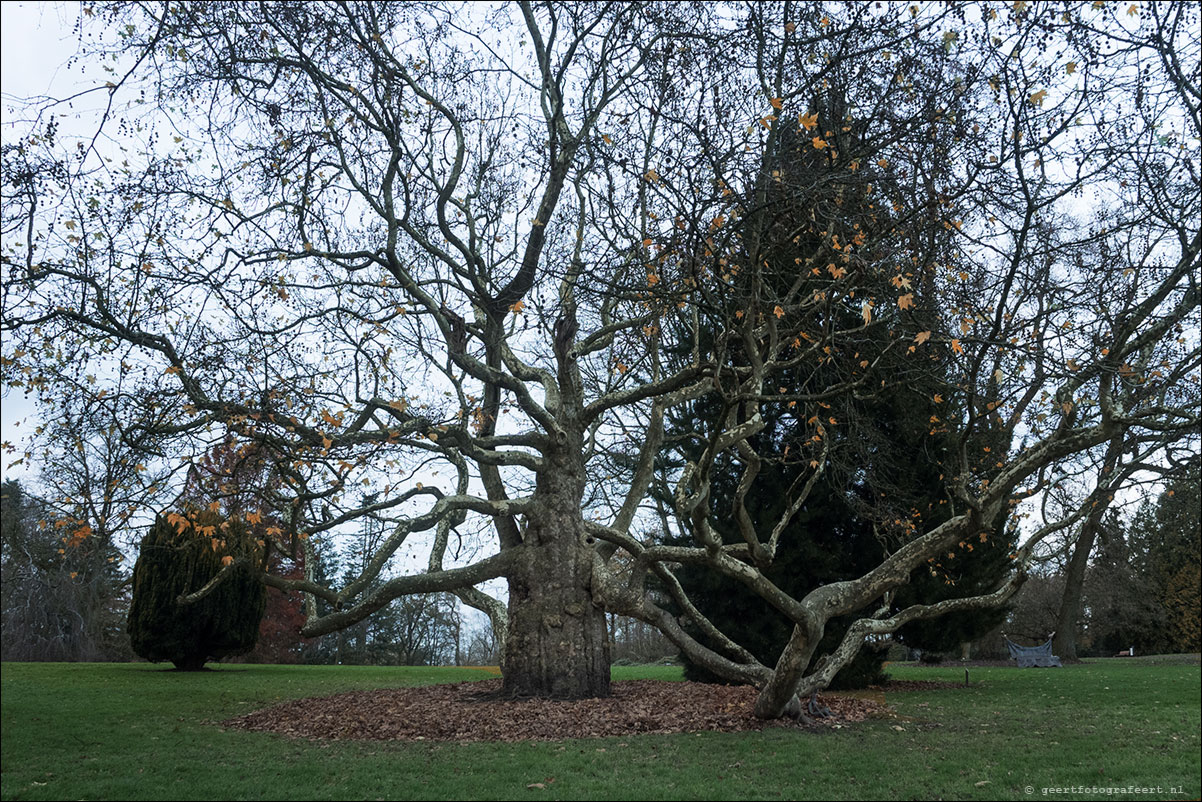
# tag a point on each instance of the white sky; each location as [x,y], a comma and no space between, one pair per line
[36,40]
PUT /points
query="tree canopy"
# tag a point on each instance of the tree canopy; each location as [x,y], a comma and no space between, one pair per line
[468,257]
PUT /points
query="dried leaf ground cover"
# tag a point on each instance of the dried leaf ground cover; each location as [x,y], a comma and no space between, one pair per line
[471,711]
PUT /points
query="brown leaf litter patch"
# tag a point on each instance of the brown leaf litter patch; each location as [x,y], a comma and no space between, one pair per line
[471,711]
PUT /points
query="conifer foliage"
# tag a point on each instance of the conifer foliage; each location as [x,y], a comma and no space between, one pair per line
[216,561]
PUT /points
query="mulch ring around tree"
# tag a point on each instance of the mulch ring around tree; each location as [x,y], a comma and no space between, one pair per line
[472,711]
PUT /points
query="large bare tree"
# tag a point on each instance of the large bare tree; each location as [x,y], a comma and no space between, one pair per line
[454,263]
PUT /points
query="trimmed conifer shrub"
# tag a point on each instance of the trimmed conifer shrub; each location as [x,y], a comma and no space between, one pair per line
[180,555]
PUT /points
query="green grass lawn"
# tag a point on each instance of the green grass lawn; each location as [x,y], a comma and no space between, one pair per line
[138,731]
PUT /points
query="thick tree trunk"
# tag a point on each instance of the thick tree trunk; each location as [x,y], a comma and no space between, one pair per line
[1064,642]
[558,645]
[777,697]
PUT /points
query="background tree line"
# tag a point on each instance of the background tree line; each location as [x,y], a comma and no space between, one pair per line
[64,601]
[1142,585]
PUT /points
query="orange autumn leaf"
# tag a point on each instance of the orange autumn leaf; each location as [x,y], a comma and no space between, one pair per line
[777,102]
[227,560]
[808,121]
[922,337]
[906,301]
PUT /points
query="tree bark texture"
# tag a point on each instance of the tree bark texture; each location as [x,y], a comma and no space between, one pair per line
[778,693]
[557,645]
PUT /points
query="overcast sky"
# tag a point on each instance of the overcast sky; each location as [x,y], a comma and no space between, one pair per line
[36,39]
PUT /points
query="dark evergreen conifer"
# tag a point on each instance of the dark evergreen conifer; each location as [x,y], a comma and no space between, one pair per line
[178,556]
[804,207]
[881,480]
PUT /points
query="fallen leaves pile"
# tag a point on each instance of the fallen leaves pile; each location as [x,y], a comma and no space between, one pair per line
[473,711]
